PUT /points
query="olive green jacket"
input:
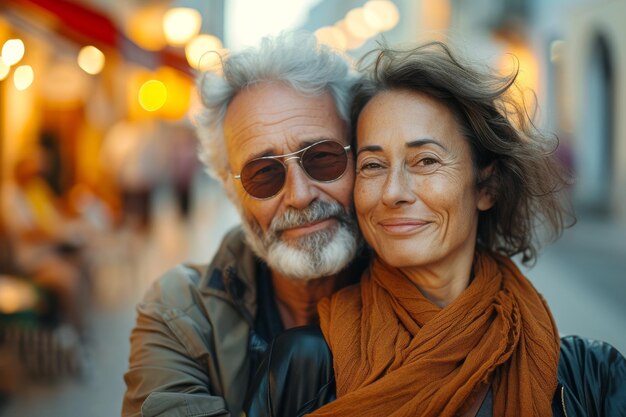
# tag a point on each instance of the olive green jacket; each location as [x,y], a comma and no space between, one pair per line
[190,346]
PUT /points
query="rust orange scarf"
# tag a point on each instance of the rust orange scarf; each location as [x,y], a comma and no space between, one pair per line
[397,354]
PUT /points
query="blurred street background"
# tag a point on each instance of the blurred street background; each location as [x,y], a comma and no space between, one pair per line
[101,189]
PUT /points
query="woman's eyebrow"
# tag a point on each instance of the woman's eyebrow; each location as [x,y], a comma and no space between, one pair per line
[425,141]
[370,148]
[412,144]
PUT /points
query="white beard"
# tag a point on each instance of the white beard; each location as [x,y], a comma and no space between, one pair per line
[315,255]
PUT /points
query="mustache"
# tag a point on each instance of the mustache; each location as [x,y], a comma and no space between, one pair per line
[317,211]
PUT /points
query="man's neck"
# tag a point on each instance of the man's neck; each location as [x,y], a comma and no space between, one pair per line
[297,299]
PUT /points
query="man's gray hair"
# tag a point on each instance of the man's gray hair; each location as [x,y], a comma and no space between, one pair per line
[292,58]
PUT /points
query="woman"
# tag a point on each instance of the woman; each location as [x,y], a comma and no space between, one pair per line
[451,181]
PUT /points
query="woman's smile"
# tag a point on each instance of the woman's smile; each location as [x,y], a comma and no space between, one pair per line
[415,192]
[403,226]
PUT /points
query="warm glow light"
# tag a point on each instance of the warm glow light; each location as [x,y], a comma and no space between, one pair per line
[91,60]
[352,42]
[333,37]
[436,14]
[16,295]
[23,77]
[204,52]
[13,51]
[144,27]
[381,15]
[181,24]
[520,57]
[4,69]
[357,25]
[178,93]
[9,300]
[65,85]
[152,95]
[5,28]
[247,21]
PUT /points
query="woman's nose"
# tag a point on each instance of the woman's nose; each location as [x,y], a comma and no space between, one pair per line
[398,188]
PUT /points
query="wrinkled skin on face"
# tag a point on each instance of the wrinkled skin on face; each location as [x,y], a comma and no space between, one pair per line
[307,230]
[415,193]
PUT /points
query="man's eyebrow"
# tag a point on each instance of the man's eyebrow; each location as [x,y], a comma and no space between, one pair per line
[260,154]
[303,144]
[424,141]
[312,141]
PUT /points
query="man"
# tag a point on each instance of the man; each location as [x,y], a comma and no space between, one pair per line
[275,132]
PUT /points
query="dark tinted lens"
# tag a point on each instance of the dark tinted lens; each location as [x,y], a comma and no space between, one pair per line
[263,178]
[325,161]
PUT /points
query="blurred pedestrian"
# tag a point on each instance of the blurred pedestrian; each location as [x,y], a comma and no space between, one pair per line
[47,243]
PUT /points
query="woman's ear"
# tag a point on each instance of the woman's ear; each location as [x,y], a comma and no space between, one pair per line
[486,188]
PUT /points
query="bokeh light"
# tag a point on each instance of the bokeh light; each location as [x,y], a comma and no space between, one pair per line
[23,77]
[200,52]
[152,95]
[16,295]
[517,57]
[4,69]
[13,51]
[333,37]
[91,60]
[181,24]
[64,85]
[381,15]
[358,26]
[178,93]
[352,42]
[145,28]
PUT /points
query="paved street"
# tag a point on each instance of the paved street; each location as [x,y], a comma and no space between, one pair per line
[583,277]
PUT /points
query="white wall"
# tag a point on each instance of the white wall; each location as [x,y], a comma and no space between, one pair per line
[583,26]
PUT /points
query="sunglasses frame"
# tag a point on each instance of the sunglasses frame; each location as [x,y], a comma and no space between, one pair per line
[294,155]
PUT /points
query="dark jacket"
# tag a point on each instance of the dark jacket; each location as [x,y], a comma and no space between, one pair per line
[591,378]
[200,333]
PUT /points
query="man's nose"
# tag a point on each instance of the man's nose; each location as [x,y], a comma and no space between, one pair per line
[300,190]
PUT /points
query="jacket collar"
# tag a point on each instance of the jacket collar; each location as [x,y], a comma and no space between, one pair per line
[232,272]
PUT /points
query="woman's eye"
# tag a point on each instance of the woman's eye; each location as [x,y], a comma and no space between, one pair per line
[424,165]
[370,168]
[371,165]
[428,161]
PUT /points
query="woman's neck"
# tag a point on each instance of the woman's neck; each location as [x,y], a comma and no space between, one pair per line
[444,281]
[297,299]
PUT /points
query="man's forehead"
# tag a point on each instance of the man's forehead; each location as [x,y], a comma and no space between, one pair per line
[271,103]
[269,118]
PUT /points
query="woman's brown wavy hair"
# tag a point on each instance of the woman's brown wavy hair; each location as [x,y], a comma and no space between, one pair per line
[526,179]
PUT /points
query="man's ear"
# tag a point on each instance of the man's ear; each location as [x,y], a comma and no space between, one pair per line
[487,188]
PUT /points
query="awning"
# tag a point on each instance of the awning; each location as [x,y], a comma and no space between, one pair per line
[84,25]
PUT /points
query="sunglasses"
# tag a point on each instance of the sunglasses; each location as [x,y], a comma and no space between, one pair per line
[323,161]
